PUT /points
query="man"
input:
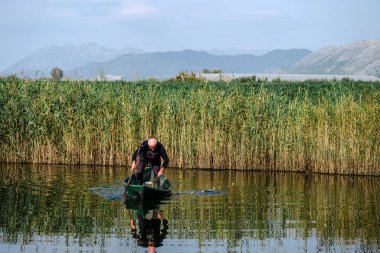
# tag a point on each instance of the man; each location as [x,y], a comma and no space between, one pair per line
[150,151]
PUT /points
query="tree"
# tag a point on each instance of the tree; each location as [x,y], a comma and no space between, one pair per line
[212,71]
[56,74]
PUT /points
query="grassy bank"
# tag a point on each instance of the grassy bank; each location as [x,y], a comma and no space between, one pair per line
[317,126]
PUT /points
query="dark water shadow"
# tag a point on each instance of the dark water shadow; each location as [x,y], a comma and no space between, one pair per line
[115,192]
[148,224]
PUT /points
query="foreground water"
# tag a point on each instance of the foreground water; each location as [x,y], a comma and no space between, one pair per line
[78,209]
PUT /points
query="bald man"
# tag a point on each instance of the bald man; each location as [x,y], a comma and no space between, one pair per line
[150,151]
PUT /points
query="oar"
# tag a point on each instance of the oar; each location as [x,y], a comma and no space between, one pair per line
[126,187]
[130,176]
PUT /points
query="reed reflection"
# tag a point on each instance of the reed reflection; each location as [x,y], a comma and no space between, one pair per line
[259,212]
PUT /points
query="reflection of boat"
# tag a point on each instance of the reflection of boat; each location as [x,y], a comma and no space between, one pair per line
[152,188]
[144,206]
[148,224]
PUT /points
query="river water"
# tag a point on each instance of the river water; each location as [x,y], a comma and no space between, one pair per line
[79,209]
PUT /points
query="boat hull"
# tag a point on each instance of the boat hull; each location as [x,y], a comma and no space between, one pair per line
[158,188]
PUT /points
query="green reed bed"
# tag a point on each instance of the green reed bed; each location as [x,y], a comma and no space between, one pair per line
[316,126]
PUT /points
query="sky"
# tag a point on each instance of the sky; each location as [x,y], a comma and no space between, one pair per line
[167,25]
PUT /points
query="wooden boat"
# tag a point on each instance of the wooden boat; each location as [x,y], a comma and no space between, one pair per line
[152,188]
[146,205]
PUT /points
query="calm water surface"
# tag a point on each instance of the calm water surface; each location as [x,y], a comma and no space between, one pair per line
[78,209]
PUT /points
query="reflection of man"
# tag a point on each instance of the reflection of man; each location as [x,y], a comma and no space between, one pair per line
[150,233]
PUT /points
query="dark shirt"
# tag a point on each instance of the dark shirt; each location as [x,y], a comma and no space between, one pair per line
[152,156]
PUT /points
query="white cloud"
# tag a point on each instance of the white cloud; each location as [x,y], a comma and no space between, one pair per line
[137,9]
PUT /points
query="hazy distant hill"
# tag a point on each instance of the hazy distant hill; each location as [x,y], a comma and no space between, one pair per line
[66,57]
[90,60]
[168,64]
[359,58]
[236,51]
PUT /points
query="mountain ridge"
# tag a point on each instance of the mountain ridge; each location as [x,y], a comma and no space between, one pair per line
[41,61]
[358,58]
[167,64]
[90,60]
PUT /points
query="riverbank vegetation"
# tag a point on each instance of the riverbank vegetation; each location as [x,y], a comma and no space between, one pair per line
[314,126]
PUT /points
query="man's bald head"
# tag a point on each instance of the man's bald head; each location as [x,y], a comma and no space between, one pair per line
[152,143]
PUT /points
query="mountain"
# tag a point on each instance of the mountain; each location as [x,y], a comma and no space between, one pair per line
[236,51]
[168,64]
[41,62]
[90,60]
[359,58]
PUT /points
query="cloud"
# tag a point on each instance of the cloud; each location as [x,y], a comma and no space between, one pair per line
[97,9]
[137,9]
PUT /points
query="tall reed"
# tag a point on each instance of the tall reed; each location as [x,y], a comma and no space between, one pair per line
[315,126]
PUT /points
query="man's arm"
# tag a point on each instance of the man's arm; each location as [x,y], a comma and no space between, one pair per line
[134,156]
[136,153]
[164,165]
[164,156]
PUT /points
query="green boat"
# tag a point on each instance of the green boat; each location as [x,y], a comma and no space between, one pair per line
[152,188]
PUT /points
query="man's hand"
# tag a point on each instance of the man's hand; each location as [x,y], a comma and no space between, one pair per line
[161,172]
[133,165]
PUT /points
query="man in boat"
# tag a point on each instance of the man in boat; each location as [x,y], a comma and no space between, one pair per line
[150,151]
